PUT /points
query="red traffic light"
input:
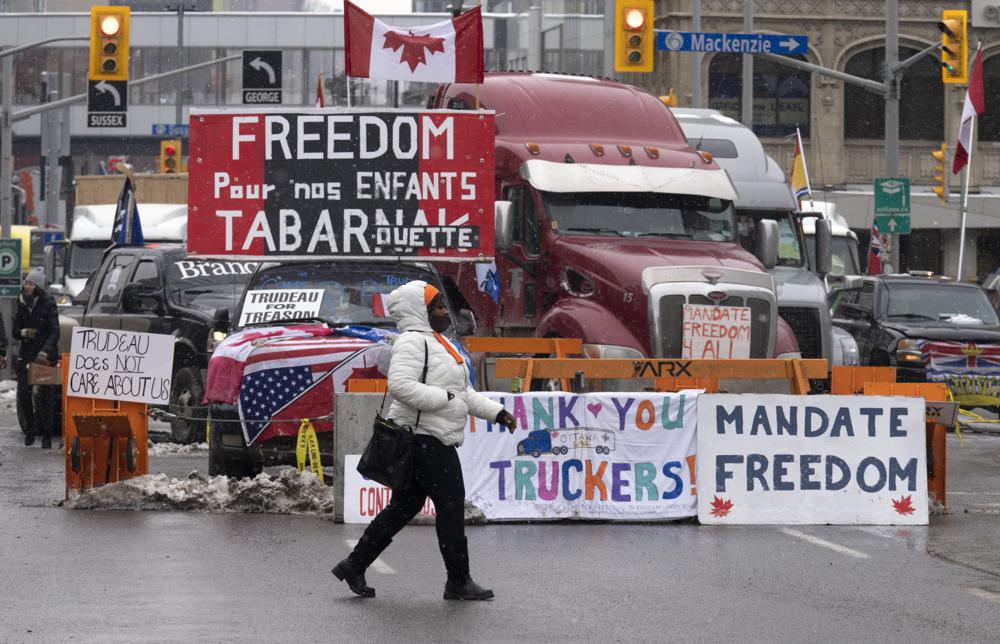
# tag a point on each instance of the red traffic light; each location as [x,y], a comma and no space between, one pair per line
[635,19]
[110,25]
[171,150]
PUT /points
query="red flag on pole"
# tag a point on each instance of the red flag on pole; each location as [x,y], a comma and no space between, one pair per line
[875,253]
[975,103]
[320,100]
[445,52]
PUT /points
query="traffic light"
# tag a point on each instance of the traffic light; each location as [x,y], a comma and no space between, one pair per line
[954,46]
[940,172]
[170,156]
[633,35]
[109,43]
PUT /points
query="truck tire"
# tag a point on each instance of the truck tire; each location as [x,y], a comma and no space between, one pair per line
[219,465]
[186,392]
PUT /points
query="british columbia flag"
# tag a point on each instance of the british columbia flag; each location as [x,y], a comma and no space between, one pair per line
[288,374]
[944,358]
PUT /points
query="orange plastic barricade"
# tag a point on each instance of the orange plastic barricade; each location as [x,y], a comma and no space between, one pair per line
[366,385]
[937,463]
[849,381]
[558,347]
[105,440]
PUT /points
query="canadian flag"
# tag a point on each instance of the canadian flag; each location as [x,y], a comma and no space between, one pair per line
[320,99]
[380,305]
[975,103]
[875,253]
[445,52]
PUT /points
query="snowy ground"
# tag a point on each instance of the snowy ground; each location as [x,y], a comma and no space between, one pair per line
[170,449]
[289,492]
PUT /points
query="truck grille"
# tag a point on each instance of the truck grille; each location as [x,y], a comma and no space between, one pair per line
[806,327]
[672,320]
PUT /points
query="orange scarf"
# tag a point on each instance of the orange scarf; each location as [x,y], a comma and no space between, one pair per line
[447,347]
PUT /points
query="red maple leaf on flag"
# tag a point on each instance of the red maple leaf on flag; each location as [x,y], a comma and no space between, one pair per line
[413,47]
[904,505]
[721,507]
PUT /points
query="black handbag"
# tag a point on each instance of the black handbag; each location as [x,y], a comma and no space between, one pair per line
[388,458]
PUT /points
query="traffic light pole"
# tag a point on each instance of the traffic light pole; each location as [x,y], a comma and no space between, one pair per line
[747,103]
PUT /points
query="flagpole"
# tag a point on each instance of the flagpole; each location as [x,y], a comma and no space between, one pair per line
[965,197]
[348,92]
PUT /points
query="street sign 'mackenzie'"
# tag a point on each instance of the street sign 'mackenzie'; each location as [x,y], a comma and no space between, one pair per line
[360,184]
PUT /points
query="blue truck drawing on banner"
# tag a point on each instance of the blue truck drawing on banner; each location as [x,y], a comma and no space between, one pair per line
[560,441]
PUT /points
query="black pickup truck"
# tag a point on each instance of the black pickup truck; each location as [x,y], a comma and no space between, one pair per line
[157,289]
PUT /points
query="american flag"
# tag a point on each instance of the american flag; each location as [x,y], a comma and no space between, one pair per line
[287,373]
[945,358]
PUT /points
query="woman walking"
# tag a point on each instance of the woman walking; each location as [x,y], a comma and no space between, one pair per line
[437,407]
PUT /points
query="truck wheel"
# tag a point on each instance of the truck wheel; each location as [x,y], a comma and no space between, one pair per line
[535,453]
[185,400]
[219,465]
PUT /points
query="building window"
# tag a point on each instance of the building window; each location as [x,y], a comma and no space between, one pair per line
[988,124]
[780,94]
[921,117]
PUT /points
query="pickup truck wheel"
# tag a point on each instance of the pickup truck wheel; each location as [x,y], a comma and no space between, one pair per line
[219,465]
[185,400]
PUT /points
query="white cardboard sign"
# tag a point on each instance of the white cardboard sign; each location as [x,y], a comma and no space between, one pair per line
[120,365]
[712,332]
[364,498]
[280,304]
[849,460]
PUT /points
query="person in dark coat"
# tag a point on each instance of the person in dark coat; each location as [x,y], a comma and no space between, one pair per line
[36,326]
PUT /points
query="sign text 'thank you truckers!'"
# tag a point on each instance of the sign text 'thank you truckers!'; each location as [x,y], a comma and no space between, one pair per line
[811,460]
[120,365]
[335,183]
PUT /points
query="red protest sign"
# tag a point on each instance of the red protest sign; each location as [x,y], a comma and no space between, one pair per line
[348,184]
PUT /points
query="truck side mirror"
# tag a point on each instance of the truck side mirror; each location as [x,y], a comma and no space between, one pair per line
[767,243]
[49,262]
[824,241]
[504,222]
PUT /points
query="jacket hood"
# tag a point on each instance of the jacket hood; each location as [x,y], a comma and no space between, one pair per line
[407,307]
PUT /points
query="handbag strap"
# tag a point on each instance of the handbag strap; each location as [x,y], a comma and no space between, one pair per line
[423,380]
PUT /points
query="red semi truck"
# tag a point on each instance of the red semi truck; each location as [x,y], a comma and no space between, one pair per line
[609,222]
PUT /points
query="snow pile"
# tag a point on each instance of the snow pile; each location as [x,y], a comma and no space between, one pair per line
[964,320]
[171,449]
[291,492]
[8,394]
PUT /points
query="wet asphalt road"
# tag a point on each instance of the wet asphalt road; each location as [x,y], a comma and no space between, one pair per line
[92,576]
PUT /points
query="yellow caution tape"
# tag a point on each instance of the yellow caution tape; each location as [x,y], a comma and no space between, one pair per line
[307,445]
[208,431]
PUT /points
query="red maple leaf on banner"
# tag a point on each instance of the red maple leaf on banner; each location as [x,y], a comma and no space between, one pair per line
[904,505]
[413,47]
[721,507]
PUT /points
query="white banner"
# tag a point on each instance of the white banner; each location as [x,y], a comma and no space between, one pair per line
[584,456]
[713,332]
[364,498]
[280,304]
[849,460]
[120,365]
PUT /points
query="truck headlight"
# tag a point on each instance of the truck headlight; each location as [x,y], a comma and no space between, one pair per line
[908,351]
[611,351]
[215,340]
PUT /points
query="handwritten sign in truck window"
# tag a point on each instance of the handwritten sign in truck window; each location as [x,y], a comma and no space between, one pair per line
[280,304]
[772,459]
[120,365]
[716,332]
[366,184]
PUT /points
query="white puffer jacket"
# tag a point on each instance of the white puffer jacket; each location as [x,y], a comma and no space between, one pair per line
[441,418]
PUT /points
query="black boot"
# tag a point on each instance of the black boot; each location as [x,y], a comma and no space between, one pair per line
[46,442]
[460,584]
[355,578]
[352,569]
[29,439]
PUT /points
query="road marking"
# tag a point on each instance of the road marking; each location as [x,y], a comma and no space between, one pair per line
[378,564]
[984,594]
[826,544]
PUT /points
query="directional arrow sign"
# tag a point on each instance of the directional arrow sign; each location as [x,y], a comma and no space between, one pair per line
[893,224]
[262,77]
[784,45]
[107,103]
[104,86]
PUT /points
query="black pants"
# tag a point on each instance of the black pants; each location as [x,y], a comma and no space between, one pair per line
[37,418]
[437,473]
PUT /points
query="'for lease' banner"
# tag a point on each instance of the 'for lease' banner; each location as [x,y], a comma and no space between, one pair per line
[585,456]
[850,460]
[337,183]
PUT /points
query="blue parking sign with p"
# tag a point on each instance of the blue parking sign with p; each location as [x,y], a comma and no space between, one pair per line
[10,267]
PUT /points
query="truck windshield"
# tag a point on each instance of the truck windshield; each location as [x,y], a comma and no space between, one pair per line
[85,257]
[940,302]
[338,293]
[789,248]
[639,214]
